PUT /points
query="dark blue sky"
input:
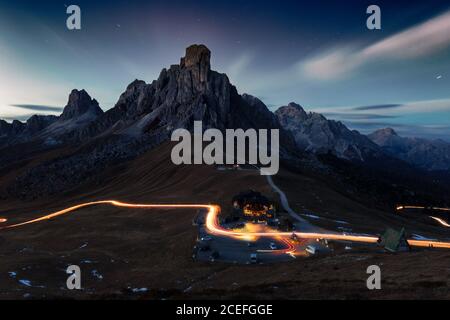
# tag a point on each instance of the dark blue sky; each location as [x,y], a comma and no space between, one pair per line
[317,53]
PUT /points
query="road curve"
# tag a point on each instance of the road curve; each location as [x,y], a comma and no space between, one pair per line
[440,220]
[213,226]
[399,208]
[305,225]
[285,203]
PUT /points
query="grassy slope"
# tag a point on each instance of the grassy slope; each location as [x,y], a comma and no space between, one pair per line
[139,248]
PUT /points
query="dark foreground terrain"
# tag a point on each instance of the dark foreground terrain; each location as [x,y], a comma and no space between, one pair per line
[146,254]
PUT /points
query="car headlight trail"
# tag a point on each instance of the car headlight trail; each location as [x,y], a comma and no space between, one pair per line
[213,226]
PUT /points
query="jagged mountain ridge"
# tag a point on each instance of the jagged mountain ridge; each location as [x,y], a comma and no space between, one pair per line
[182,94]
[18,131]
[315,133]
[80,110]
[423,153]
[143,117]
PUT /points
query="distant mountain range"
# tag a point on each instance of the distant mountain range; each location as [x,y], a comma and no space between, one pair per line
[80,110]
[143,117]
[423,153]
[183,93]
[314,133]
[146,114]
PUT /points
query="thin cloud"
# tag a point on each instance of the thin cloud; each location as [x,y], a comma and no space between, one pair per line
[356,116]
[394,115]
[377,107]
[424,131]
[423,39]
[330,65]
[371,126]
[425,106]
[239,66]
[40,108]
[400,109]
[428,37]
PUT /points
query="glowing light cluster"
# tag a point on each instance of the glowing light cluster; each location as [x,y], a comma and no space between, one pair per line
[213,226]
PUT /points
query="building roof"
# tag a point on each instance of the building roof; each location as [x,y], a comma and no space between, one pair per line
[250,197]
[393,240]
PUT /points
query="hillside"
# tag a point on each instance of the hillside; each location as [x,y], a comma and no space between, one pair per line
[151,249]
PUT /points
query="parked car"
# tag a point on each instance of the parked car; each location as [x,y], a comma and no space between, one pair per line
[312,250]
[253,258]
[317,249]
[206,238]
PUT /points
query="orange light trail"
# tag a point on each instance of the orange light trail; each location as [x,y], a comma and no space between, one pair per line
[289,249]
[114,203]
[441,221]
[213,226]
[419,207]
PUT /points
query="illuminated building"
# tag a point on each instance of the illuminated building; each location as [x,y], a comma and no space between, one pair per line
[252,205]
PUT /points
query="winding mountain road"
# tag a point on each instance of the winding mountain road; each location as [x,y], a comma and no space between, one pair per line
[440,220]
[304,224]
[213,226]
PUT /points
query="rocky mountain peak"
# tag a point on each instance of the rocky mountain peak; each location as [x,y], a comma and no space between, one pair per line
[295,106]
[383,136]
[39,122]
[313,132]
[79,104]
[5,128]
[136,84]
[293,112]
[386,132]
[197,58]
[196,54]
[422,153]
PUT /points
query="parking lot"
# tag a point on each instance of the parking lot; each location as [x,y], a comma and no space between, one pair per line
[244,250]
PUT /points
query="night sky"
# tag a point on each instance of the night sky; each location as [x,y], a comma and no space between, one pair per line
[317,53]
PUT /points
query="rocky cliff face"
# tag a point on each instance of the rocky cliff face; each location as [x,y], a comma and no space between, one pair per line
[10,129]
[314,133]
[80,110]
[197,59]
[87,140]
[80,104]
[182,94]
[17,132]
[383,136]
[423,153]
[37,123]
[144,116]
